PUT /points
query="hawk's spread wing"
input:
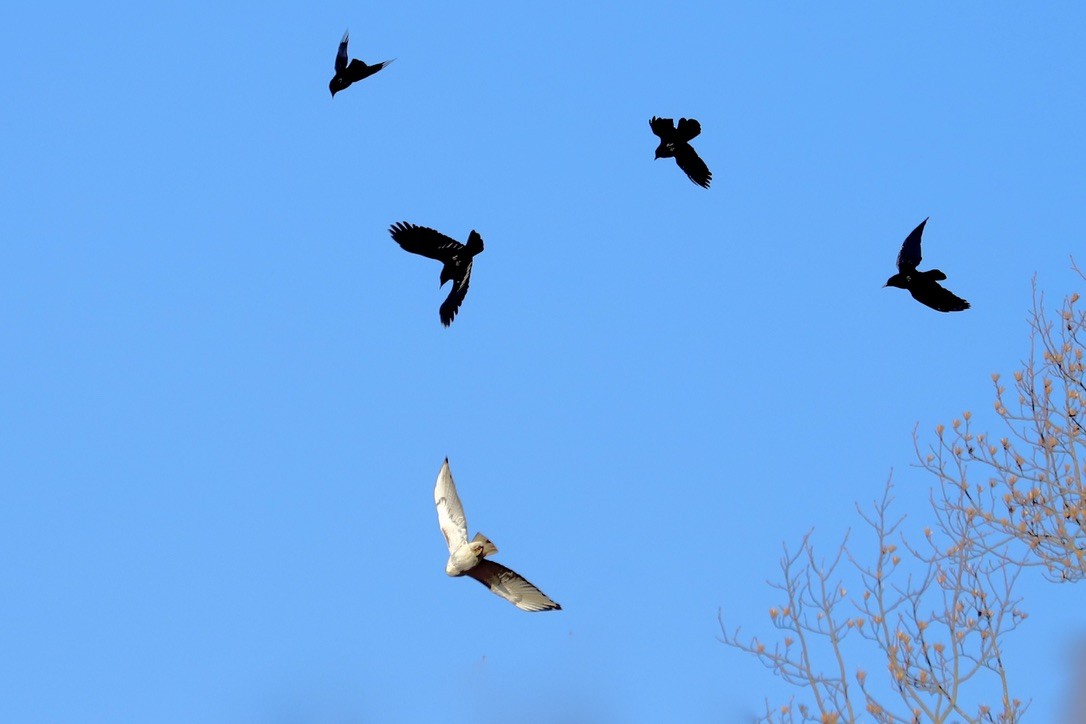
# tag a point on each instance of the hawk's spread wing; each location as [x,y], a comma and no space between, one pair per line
[459,290]
[512,586]
[663,127]
[909,256]
[450,512]
[424,241]
[341,54]
[690,162]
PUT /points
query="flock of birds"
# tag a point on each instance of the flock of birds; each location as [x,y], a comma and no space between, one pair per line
[469,557]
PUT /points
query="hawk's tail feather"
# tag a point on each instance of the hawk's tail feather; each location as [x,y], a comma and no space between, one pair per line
[489,548]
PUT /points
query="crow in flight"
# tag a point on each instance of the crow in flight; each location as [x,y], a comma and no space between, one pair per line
[456,257]
[923,285]
[674,143]
[353,72]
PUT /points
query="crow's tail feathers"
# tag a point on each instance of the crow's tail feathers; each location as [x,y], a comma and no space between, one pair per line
[475,243]
[687,129]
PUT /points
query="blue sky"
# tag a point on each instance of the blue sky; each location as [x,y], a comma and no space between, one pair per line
[226,392]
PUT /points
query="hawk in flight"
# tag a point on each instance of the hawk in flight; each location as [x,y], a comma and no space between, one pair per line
[469,557]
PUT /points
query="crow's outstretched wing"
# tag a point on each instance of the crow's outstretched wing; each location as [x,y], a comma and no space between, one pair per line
[691,163]
[425,241]
[459,290]
[512,586]
[909,256]
[341,54]
[688,129]
[663,127]
[934,295]
[358,70]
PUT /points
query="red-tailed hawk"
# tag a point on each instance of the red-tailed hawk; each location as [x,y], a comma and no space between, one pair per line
[469,557]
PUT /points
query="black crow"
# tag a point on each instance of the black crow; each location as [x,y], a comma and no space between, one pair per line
[456,257]
[674,143]
[353,72]
[923,285]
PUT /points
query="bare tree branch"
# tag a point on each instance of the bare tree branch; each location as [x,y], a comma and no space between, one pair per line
[933,612]
[1028,487]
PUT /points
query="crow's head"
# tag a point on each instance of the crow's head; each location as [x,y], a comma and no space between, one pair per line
[898,280]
